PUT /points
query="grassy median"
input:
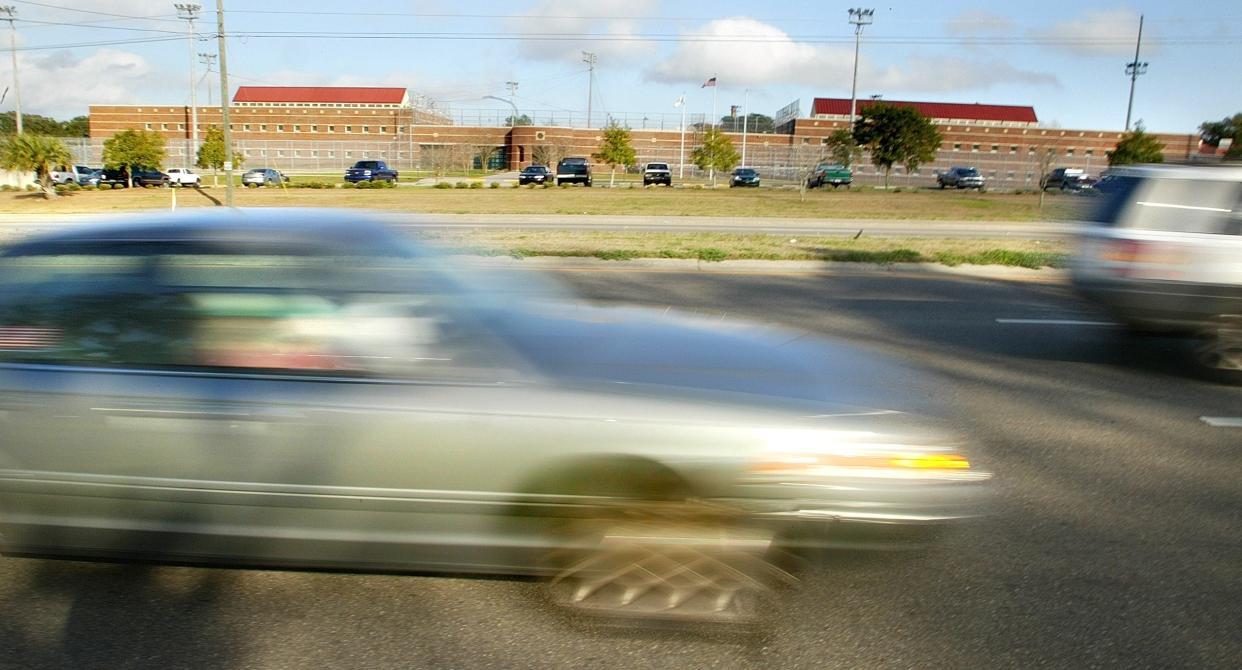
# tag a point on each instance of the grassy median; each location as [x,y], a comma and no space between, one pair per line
[924,204]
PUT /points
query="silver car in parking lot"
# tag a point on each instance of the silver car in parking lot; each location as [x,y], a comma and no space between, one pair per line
[1163,252]
[310,388]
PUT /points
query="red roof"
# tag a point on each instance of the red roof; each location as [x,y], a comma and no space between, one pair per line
[935,110]
[330,94]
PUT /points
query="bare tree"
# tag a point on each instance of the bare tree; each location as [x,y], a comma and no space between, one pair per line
[1044,156]
[548,154]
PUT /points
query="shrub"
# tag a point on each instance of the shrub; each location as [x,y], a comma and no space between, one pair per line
[31,188]
[461,184]
[711,254]
[442,184]
[90,187]
[476,184]
[8,187]
[494,184]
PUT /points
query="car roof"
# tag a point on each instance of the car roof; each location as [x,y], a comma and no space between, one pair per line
[338,231]
[1197,172]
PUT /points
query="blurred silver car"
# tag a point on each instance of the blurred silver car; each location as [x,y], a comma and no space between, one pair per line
[310,388]
[1163,252]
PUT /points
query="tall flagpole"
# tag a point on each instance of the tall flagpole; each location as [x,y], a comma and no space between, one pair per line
[745,118]
[681,172]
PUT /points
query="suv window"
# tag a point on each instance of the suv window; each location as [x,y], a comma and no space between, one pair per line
[1180,205]
[657,166]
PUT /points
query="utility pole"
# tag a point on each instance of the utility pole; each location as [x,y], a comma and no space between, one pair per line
[11,15]
[189,12]
[589,59]
[1134,69]
[681,159]
[513,86]
[859,17]
[207,60]
[224,105]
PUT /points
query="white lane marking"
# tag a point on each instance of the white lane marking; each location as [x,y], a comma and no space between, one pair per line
[1057,322]
[1222,421]
[1169,205]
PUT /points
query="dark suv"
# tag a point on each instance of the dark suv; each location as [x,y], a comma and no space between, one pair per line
[142,177]
[573,171]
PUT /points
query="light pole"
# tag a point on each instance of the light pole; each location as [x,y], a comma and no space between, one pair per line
[859,17]
[189,12]
[589,59]
[1134,69]
[513,86]
[11,16]
[224,105]
[681,158]
[207,60]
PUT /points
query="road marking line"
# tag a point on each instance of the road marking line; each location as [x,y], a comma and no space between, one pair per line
[1058,322]
[1222,421]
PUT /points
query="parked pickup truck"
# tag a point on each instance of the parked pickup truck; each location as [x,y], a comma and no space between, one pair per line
[831,174]
[78,174]
[657,173]
[370,171]
[182,177]
[142,177]
[961,177]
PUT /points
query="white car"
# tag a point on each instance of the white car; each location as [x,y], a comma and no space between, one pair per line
[182,177]
[79,174]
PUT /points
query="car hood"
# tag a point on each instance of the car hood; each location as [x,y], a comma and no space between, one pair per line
[642,347]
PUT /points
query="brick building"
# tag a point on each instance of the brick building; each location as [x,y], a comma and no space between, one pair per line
[323,129]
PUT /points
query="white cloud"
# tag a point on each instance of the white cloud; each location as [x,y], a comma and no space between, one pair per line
[978,22]
[743,51]
[771,56]
[552,17]
[1095,33]
[62,84]
[940,74]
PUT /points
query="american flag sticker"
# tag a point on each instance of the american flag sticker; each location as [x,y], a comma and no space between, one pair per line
[28,337]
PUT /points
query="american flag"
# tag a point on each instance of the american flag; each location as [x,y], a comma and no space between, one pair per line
[709,83]
[28,337]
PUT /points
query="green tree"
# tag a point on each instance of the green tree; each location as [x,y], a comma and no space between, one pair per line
[211,154]
[1137,146]
[78,126]
[521,120]
[896,134]
[716,153]
[43,125]
[616,149]
[842,148]
[130,149]
[37,153]
[1230,128]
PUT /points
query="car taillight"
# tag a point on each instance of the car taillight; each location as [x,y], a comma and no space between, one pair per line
[1144,260]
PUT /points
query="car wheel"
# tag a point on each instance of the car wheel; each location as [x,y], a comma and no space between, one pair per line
[654,552]
[1221,351]
[941,184]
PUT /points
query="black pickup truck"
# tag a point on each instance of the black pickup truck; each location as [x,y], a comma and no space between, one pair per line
[370,171]
[142,177]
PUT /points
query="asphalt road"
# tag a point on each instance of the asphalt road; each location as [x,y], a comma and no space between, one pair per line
[22,225]
[1115,541]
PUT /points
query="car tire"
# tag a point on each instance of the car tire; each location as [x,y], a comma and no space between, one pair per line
[941,185]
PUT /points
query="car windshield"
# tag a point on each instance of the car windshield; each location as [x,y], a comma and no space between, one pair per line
[968,172]
[536,169]
[744,172]
[657,166]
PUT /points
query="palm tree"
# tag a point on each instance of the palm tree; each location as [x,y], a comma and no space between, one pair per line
[37,153]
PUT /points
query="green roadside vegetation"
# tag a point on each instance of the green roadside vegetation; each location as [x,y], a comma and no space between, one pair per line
[713,247]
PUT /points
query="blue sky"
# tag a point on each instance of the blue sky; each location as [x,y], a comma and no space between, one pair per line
[1067,59]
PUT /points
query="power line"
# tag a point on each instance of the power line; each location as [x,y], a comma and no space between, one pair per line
[92,11]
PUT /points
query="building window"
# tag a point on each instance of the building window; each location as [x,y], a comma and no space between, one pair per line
[974,148]
[332,129]
[383,130]
[280,153]
[147,126]
[1030,151]
[349,129]
[995,148]
[180,126]
[263,127]
[297,128]
[246,127]
[365,130]
[1090,153]
[314,128]
[280,127]
[163,126]
[1069,152]
[1013,149]
[349,154]
[957,146]
[331,154]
